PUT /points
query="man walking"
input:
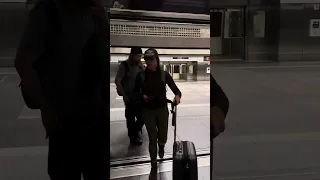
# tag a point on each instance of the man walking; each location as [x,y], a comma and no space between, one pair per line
[125,81]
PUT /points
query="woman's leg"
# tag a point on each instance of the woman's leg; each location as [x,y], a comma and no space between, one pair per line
[149,118]
[162,124]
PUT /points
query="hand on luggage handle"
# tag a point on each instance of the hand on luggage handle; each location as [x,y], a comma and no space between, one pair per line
[173,104]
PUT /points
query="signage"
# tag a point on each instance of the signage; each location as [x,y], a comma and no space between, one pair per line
[314,28]
[207,58]
[208,70]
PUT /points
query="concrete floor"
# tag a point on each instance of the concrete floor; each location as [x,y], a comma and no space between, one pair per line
[272,127]
[273,124]
[192,123]
[23,147]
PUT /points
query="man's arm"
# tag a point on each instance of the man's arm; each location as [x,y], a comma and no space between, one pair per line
[119,77]
[31,47]
[217,96]
[172,85]
[219,108]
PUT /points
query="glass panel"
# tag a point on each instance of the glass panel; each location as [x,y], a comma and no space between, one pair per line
[183,69]
[236,22]
[215,24]
[176,69]
[259,24]
[190,69]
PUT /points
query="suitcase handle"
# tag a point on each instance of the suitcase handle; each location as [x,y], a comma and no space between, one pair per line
[174,117]
[173,111]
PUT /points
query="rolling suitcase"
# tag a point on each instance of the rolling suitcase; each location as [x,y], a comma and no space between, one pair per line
[185,165]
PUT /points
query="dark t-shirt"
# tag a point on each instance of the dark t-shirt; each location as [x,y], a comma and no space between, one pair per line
[153,86]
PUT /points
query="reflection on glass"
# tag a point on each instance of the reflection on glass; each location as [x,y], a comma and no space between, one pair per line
[236,24]
[259,21]
[315,24]
[30,4]
[118,4]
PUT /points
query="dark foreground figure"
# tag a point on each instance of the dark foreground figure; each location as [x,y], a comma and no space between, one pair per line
[219,107]
[63,63]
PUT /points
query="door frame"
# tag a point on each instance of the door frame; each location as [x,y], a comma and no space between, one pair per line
[244,9]
[172,66]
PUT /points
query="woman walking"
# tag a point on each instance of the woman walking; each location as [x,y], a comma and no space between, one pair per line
[151,83]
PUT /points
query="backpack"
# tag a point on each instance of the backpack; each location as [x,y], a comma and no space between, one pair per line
[163,77]
[126,67]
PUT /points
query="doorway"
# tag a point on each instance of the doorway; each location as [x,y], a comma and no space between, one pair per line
[227,36]
[177,71]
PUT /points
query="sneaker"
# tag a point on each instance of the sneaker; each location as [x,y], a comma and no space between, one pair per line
[161,151]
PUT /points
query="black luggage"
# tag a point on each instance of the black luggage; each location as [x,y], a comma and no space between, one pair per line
[185,165]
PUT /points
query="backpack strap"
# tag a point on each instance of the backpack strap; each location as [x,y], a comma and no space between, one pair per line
[126,67]
[164,77]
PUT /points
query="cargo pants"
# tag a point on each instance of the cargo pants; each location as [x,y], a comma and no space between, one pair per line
[156,121]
